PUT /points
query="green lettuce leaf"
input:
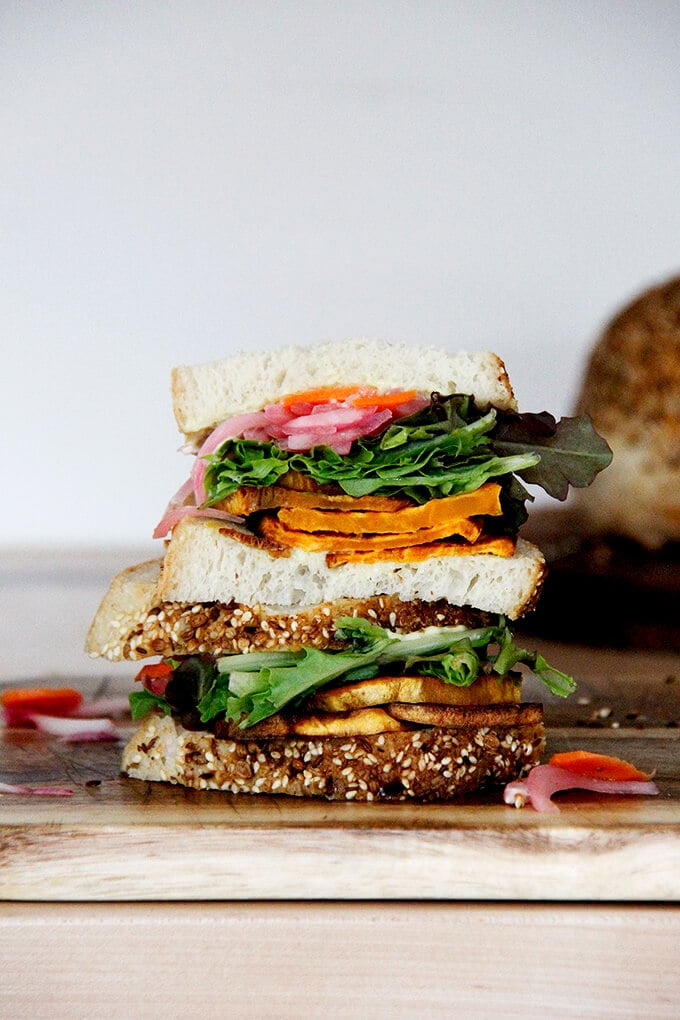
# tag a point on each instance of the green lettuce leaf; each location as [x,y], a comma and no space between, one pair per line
[142,702]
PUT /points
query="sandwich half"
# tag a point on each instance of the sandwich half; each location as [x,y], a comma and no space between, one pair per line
[332,611]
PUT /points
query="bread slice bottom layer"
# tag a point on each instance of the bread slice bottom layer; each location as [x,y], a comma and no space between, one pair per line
[424,764]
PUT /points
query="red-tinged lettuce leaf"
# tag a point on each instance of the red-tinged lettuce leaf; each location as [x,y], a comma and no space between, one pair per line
[572,453]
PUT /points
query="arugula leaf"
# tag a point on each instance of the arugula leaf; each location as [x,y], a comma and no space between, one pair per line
[241,462]
[510,654]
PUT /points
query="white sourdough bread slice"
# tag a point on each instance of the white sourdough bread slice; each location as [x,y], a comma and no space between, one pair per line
[425,763]
[203,563]
[159,607]
[206,394]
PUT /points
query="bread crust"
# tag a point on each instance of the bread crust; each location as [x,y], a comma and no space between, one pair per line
[216,628]
[424,764]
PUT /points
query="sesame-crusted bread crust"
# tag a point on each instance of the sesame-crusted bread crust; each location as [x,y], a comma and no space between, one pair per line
[631,390]
[206,394]
[215,628]
[144,614]
[424,764]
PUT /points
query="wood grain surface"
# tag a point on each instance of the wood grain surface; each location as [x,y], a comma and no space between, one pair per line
[121,839]
[335,960]
[397,910]
[117,839]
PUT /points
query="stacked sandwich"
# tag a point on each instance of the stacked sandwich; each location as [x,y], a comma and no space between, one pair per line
[331,611]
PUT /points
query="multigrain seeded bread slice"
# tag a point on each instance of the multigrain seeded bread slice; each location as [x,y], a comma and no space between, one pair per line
[206,394]
[134,626]
[426,764]
[204,563]
[200,609]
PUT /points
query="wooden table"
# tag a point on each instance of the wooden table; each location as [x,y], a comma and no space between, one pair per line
[130,899]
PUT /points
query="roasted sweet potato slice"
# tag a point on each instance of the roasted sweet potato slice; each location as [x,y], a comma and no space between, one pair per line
[325,541]
[416,690]
[249,500]
[363,721]
[347,724]
[412,519]
[414,553]
[466,715]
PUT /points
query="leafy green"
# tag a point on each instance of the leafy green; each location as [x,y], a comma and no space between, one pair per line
[250,687]
[449,447]
[144,701]
[456,655]
[241,462]
[571,451]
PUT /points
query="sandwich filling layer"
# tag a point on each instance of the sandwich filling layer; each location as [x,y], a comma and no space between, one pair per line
[331,609]
[354,684]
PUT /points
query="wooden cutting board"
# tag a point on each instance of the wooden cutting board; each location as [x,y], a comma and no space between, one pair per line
[121,839]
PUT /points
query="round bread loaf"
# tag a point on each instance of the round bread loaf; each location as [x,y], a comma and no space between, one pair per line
[631,390]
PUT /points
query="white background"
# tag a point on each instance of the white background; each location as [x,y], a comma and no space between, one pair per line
[182,180]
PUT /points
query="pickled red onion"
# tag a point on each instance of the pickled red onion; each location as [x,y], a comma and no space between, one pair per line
[543,781]
[74,730]
[295,427]
[39,791]
[231,428]
[173,517]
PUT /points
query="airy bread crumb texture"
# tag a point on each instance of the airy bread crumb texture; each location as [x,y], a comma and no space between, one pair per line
[134,620]
[425,764]
[203,563]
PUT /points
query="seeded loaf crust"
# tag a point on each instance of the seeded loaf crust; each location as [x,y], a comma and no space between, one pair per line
[206,394]
[423,764]
[631,390]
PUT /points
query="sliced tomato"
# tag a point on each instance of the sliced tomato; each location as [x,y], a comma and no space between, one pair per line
[154,671]
[155,676]
[598,766]
[19,702]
